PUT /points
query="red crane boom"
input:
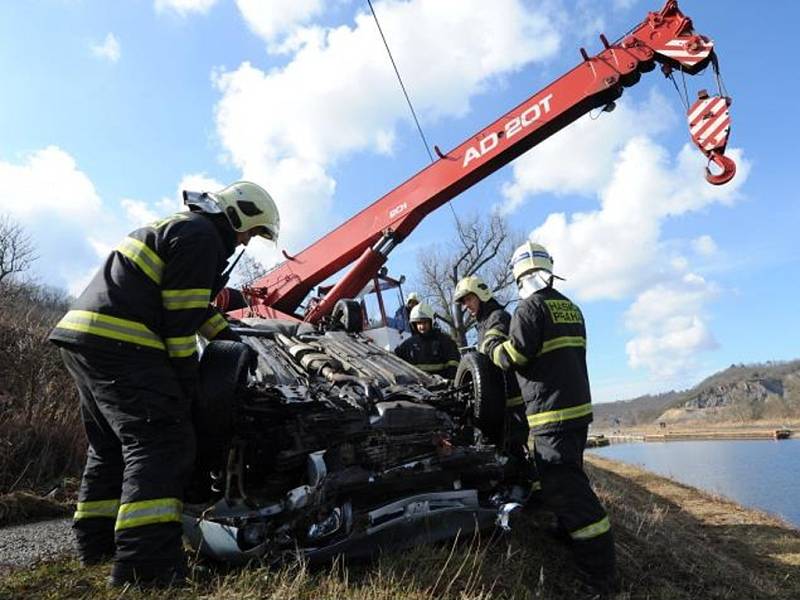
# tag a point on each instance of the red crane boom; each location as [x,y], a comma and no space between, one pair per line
[666,37]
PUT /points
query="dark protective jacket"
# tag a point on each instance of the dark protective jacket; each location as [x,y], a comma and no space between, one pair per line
[546,347]
[492,324]
[153,293]
[433,352]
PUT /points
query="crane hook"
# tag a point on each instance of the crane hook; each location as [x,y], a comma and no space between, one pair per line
[709,126]
[723,162]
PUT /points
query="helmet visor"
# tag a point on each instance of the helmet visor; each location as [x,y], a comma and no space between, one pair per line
[265,232]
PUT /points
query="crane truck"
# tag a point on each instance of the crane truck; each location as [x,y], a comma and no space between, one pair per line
[331,445]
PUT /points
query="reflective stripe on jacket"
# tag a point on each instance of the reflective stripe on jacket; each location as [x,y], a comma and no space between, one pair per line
[434,352]
[154,290]
[546,347]
[492,324]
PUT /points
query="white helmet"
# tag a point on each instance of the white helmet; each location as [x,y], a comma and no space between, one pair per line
[246,205]
[413,296]
[530,257]
[472,285]
[532,267]
[421,312]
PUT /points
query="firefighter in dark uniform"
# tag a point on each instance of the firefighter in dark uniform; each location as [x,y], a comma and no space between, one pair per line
[546,346]
[129,343]
[428,348]
[492,323]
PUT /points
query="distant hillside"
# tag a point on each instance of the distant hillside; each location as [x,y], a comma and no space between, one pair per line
[742,393]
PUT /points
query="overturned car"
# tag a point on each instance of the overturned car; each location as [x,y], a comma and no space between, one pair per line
[322,443]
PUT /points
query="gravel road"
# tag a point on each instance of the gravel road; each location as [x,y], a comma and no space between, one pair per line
[22,545]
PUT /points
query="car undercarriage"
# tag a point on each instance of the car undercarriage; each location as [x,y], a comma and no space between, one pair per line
[322,443]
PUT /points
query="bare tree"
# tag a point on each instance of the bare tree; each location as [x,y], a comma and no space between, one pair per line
[16,248]
[482,246]
[247,270]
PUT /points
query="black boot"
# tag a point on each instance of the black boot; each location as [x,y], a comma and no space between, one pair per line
[148,575]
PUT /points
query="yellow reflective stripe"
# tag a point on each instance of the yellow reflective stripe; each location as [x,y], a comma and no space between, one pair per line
[558,416]
[496,355]
[181,347]
[147,512]
[489,334]
[183,299]
[177,217]
[110,327]
[515,355]
[591,531]
[566,341]
[536,486]
[515,401]
[211,328]
[96,508]
[143,257]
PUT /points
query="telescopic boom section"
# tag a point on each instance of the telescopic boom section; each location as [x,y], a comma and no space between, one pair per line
[666,37]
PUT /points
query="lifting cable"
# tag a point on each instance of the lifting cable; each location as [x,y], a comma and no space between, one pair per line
[408,100]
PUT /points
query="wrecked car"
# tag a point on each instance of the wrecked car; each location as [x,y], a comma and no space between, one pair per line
[322,443]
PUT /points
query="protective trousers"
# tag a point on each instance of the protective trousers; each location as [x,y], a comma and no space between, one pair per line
[567,492]
[516,446]
[140,455]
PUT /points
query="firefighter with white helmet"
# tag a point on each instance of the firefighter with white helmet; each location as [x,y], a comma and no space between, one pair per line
[546,348]
[428,348]
[129,343]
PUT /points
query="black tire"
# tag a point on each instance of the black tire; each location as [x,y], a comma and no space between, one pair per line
[489,394]
[223,371]
[348,313]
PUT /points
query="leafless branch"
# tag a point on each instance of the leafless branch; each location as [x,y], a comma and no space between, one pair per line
[481,246]
[17,251]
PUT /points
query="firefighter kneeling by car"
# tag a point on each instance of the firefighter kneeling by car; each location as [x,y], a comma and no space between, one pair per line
[129,343]
[428,348]
[546,347]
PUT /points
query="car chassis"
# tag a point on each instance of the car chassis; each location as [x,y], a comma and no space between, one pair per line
[328,445]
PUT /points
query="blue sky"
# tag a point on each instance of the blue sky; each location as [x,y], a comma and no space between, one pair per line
[109,109]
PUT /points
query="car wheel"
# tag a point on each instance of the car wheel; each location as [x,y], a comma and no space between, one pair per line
[348,313]
[489,393]
[223,370]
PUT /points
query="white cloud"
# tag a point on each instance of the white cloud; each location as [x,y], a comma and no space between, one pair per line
[669,325]
[271,20]
[581,158]
[338,94]
[72,227]
[617,251]
[704,245]
[185,7]
[47,184]
[109,50]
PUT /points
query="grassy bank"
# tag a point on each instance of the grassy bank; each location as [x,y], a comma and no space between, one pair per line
[673,542]
[41,436]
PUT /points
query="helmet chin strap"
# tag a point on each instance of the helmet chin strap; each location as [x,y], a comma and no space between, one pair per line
[533,282]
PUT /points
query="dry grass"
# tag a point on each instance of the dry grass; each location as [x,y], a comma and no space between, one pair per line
[22,507]
[673,543]
[41,437]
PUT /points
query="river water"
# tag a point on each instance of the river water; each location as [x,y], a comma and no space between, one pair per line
[762,474]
